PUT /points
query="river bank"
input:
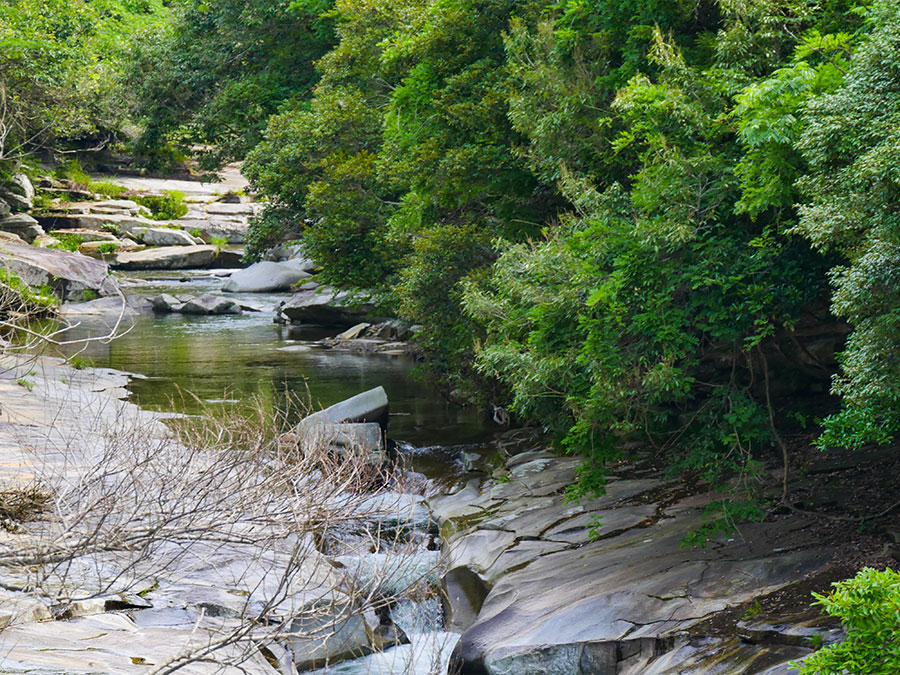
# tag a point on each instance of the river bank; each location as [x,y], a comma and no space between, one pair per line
[148,553]
[530,582]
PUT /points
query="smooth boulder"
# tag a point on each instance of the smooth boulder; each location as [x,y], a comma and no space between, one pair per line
[70,275]
[266,276]
[328,307]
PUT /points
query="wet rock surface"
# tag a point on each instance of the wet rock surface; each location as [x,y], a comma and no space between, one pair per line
[540,584]
[184,599]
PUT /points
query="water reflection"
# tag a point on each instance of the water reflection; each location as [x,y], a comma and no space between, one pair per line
[232,358]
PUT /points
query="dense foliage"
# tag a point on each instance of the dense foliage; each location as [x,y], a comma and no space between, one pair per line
[61,72]
[209,79]
[619,220]
[594,208]
[867,606]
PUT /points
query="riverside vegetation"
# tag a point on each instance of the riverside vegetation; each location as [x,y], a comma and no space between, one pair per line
[670,227]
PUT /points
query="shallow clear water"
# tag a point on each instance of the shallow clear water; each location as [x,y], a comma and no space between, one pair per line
[231,358]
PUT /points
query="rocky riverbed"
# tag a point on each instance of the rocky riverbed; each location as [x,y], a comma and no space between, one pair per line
[530,582]
[149,553]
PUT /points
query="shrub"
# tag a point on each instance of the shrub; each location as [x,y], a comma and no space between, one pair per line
[167,206]
[75,174]
[67,242]
[868,606]
[108,189]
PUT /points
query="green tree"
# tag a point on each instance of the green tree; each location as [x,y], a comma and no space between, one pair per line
[851,142]
[209,79]
[61,69]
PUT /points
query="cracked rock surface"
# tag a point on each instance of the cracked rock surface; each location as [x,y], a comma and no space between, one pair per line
[604,586]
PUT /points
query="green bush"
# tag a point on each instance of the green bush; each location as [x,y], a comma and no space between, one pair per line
[108,189]
[67,242]
[868,606]
[167,206]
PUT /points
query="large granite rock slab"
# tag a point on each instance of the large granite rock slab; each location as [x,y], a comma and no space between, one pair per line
[108,222]
[328,307]
[167,258]
[164,236]
[69,274]
[266,276]
[539,584]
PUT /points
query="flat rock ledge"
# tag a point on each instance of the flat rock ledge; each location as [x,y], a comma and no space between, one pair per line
[185,599]
[532,590]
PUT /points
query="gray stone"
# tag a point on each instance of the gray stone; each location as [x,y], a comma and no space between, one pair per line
[287,252]
[226,209]
[210,304]
[164,236]
[266,276]
[22,225]
[18,192]
[5,209]
[69,274]
[360,439]
[167,258]
[166,304]
[353,332]
[110,307]
[228,258]
[330,631]
[110,222]
[369,406]
[463,595]
[16,239]
[326,306]
[108,249]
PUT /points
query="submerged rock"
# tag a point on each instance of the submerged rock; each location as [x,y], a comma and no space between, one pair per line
[210,304]
[189,304]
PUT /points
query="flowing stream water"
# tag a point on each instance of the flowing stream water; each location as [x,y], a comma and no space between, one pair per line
[230,358]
